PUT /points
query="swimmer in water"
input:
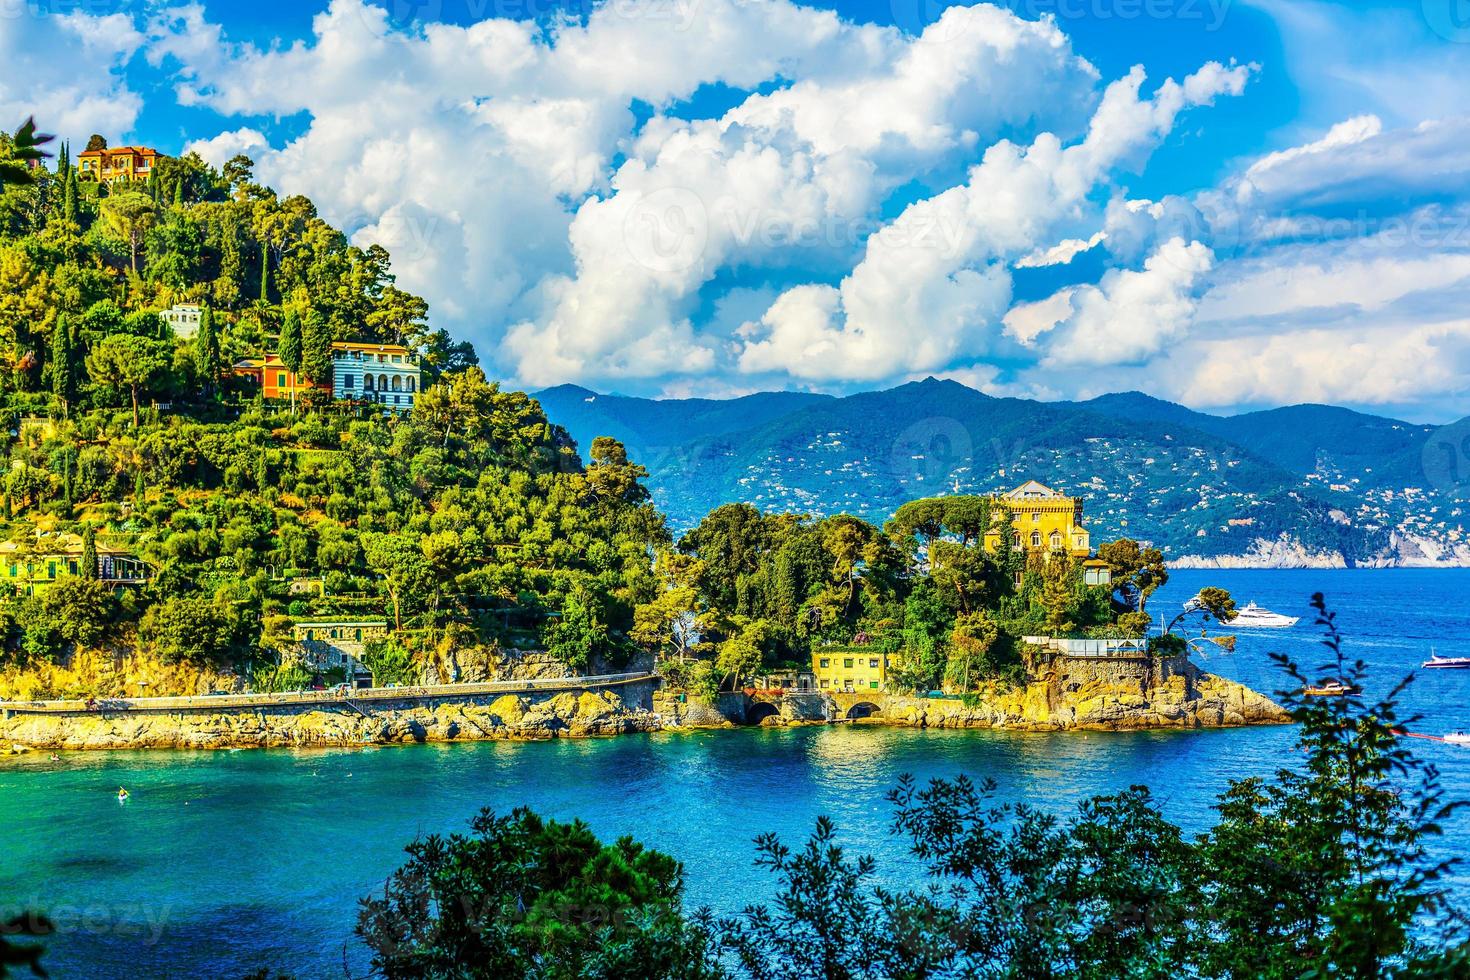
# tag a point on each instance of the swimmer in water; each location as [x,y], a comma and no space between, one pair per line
[122,794]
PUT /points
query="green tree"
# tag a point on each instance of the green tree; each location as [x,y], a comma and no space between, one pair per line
[1137,572]
[130,215]
[678,617]
[971,643]
[1058,595]
[126,361]
[291,349]
[207,350]
[195,629]
[81,608]
[520,896]
[740,656]
[316,348]
[63,362]
[399,560]
[90,566]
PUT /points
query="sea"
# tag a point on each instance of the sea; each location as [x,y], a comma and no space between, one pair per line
[228,862]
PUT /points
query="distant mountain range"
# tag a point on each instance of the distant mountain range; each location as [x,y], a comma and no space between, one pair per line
[1303,485]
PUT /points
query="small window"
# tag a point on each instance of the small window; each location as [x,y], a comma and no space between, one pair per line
[280,381]
[826,683]
[873,685]
[347,381]
[1036,517]
[1036,539]
[873,663]
[825,662]
[847,662]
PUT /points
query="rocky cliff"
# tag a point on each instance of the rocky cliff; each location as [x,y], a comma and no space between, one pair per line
[1064,693]
[445,719]
[1078,695]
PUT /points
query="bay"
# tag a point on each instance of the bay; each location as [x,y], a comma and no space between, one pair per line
[227,862]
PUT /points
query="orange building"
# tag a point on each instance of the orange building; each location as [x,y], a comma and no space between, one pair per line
[275,380]
[119,163]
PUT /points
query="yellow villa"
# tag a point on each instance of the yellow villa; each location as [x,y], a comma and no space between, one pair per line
[1044,520]
[849,669]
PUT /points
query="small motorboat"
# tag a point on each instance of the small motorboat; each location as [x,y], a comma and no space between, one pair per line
[1329,689]
[1252,616]
[1435,660]
[1457,737]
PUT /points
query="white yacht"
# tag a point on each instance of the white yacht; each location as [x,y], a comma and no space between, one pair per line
[1435,660]
[1252,616]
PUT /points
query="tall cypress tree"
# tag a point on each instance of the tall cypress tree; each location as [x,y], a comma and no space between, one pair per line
[63,362]
[179,193]
[90,567]
[206,350]
[291,349]
[265,273]
[316,348]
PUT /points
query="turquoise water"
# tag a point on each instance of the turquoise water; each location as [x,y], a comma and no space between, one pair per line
[227,862]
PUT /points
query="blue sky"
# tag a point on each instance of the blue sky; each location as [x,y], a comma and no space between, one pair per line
[1228,203]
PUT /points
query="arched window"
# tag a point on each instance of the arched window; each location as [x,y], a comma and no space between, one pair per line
[411,380]
[1056,540]
[397,383]
[1036,539]
[367,382]
[1017,541]
[382,382]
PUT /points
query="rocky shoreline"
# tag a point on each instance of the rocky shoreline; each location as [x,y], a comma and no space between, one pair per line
[1065,694]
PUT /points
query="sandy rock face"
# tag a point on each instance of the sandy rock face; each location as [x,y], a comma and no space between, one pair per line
[1096,696]
[448,719]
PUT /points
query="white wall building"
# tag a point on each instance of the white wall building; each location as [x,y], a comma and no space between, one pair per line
[184,318]
[386,374]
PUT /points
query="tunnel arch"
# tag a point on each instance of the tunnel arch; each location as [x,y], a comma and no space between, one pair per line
[863,709]
[759,711]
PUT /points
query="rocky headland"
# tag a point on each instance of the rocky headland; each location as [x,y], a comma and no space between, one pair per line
[1064,693]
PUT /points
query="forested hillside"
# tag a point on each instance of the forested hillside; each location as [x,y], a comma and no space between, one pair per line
[470,523]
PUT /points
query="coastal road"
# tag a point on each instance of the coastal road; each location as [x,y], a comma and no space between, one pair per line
[425,692]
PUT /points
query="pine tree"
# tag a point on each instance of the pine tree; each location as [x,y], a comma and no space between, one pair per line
[291,349]
[90,567]
[179,193]
[206,350]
